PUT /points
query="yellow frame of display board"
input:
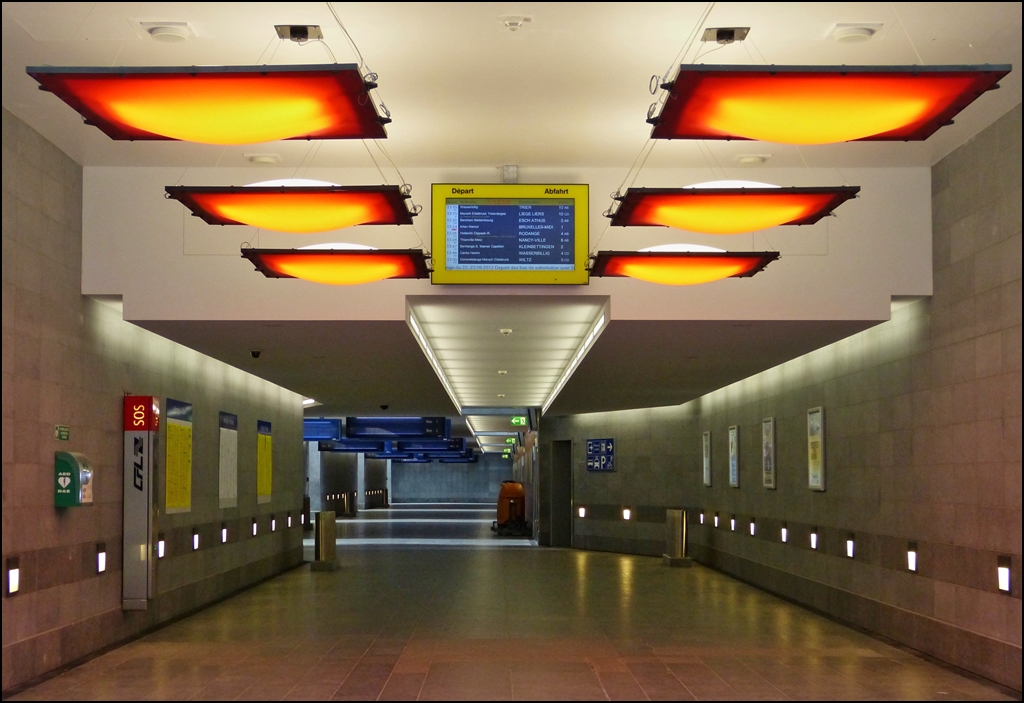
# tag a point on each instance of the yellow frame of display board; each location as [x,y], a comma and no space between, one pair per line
[441,193]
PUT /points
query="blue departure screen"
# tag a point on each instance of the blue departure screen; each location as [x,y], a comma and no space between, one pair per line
[510,234]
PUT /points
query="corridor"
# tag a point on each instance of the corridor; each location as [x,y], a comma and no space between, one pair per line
[434,623]
[422,525]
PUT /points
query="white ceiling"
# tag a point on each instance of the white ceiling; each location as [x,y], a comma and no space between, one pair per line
[568,90]
[486,367]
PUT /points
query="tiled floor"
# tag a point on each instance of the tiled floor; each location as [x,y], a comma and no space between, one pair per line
[433,622]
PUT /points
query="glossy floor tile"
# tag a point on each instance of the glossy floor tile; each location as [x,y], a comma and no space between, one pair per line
[401,621]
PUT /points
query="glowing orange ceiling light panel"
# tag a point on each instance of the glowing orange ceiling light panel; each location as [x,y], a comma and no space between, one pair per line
[680,268]
[300,209]
[339,267]
[727,210]
[220,104]
[819,104]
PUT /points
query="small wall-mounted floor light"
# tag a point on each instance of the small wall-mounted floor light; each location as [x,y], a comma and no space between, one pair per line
[753,528]
[732,523]
[302,518]
[161,546]
[626,513]
[581,511]
[289,523]
[716,519]
[849,545]
[1003,566]
[195,539]
[814,538]
[702,517]
[912,556]
[223,533]
[784,533]
[13,579]
[273,523]
[254,528]
[101,557]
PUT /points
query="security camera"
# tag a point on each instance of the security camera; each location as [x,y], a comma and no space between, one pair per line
[255,353]
[384,406]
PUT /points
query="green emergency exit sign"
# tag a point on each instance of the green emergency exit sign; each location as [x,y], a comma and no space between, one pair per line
[519,421]
[62,432]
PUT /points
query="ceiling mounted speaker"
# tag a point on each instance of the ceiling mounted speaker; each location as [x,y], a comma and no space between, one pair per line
[818,104]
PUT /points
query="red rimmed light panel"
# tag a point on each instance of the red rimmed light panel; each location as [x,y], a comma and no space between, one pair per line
[728,210]
[680,268]
[220,105]
[339,267]
[299,209]
[819,105]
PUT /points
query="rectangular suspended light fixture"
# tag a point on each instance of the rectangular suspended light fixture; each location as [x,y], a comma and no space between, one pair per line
[680,268]
[299,209]
[220,104]
[818,104]
[727,210]
[339,267]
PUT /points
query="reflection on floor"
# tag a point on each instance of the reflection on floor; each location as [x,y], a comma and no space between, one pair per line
[455,623]
[423,525]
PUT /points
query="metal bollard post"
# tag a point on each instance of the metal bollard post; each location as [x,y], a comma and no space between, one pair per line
[675,539]
[325,551]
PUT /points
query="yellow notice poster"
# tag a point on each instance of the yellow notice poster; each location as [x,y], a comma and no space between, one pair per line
[816,449]
[264,461]
[178,467]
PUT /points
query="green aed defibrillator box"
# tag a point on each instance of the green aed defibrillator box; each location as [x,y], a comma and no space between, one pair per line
[72,485]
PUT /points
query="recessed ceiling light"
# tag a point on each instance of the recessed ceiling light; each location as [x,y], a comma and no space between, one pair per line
[846,33]
[262,159]
[503,373]
[167,32]
[752,159]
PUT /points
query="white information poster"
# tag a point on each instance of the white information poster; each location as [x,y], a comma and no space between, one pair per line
[768,452]
[706,437]
[734,456]
[816,449]
[228,460]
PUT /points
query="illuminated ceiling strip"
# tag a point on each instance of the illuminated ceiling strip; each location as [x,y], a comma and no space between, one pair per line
[220,104]
[727,210]
[421,339]
[818,104]
[680,268]
[340,267]
[588,341]
[300,209]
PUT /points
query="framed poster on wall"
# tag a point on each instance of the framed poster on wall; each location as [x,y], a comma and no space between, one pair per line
[178,464]
[734,456]
[706,453]
[768,452]
[816,449]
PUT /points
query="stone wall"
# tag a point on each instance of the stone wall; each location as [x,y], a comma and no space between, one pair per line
[922,448]
[449,483]
[69,360]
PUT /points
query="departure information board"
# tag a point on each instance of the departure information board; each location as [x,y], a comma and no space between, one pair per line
[510,233]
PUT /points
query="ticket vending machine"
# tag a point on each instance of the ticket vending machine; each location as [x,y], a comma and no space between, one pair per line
[141,423]
[72,480]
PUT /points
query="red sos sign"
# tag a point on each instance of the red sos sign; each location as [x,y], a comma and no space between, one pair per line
[141,413]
